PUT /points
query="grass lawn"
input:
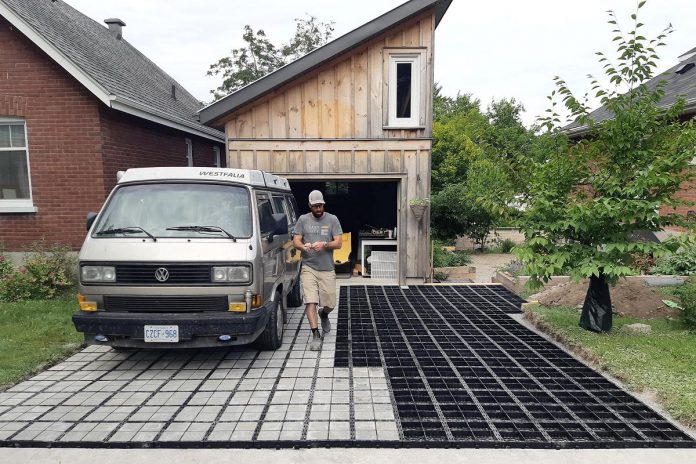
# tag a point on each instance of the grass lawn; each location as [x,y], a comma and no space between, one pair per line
[663,361]
[34,334]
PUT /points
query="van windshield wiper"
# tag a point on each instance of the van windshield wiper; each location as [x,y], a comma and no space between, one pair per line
[127,230]
[204,229]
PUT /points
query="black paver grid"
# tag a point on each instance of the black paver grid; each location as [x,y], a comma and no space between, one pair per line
[441,366]
[462,371]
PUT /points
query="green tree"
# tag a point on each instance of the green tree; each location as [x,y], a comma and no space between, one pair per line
[584,203]
[465,207]
[259,56]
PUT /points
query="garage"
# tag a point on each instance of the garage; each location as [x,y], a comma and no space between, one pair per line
[368,210]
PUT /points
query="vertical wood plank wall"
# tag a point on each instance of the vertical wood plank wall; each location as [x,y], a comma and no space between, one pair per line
[344,99]
[330,124]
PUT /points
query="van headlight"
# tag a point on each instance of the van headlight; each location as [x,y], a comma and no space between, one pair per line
[98,274]
[231,274]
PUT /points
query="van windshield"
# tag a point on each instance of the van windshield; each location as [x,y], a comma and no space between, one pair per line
[197,208]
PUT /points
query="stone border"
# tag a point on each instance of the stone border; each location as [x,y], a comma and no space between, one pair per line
[516,283]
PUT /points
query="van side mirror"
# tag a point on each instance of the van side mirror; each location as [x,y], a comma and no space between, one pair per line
[90,219]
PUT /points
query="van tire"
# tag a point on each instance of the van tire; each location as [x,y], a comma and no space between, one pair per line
[272,336]
[295,295]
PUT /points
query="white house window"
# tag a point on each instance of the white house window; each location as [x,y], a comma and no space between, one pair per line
[189,153]
[404,90]
[216,153]
[15,181]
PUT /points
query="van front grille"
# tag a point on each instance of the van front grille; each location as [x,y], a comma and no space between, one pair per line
[179,274]
[165,304]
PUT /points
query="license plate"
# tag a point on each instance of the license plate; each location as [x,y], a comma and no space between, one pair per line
[161,334]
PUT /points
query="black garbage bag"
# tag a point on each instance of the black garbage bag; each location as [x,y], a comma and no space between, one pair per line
[596,311]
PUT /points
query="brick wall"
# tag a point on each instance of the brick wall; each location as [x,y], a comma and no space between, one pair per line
[687,193]
[76,144]
[64,140]
[131,142]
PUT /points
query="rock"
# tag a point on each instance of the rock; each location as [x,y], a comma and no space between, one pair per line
[636,328]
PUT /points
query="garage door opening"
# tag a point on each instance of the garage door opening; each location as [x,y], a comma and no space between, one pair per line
[368,210]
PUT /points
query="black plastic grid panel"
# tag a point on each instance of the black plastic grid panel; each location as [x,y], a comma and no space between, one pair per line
[462,371]
[458,372]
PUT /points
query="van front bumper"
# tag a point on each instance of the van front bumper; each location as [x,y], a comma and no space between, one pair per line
[196,330]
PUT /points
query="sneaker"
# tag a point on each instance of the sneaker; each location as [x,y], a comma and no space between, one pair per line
[325,322]
[315,344]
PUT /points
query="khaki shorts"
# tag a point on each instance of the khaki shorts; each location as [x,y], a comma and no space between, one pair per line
[319,287]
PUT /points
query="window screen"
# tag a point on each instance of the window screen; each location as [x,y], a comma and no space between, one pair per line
[14,165]
[404,84]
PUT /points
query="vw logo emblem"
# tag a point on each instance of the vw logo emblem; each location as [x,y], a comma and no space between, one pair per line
[162,274]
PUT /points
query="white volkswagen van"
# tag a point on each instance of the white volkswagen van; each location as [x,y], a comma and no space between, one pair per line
[189,257]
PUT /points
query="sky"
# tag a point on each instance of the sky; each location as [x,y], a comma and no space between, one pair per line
[491,49]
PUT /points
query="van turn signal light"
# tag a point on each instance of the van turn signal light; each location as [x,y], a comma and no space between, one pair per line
[237,307]
[86,306]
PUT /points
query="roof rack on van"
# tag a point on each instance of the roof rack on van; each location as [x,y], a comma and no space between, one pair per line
[238,176]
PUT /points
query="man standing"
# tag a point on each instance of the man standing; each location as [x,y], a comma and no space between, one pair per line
[318,234]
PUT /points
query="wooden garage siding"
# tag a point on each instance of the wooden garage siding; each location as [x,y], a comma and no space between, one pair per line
[345,99]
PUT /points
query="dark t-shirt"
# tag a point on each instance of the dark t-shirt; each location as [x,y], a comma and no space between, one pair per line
[318,230]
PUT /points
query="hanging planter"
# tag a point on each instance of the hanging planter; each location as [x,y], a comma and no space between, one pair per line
[418,207]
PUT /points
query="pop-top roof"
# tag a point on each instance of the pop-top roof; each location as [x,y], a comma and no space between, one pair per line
[237,176]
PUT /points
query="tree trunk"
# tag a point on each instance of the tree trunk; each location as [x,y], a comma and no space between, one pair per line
[596,311]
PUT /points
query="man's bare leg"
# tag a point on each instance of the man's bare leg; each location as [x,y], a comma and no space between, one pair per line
[311,312]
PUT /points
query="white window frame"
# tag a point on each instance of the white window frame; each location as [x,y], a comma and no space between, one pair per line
[217,157]
[415,60]
[18,205]
[189,152]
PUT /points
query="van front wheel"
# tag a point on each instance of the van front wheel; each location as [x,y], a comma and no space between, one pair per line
[272,336]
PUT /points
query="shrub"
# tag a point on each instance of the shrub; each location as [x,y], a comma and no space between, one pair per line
[16,286]
[683,262]
[514,268]
[6,267]
[687,311]
[46,274]
[504,246]
[444,258]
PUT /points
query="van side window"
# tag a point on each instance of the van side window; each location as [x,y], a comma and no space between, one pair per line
[293,206]
[292,212]
[279,206]
[265,214]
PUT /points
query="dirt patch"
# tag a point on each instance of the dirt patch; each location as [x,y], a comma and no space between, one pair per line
[628,298]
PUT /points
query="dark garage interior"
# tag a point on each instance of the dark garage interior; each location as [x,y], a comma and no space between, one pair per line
[367,209]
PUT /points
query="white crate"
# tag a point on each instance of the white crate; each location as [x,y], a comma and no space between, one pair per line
[382,264]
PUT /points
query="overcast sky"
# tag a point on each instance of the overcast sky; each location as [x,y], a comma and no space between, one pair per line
[491,49]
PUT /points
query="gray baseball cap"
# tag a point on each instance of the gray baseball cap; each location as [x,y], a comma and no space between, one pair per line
[316,198]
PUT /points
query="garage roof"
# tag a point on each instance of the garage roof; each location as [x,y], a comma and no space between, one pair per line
[318,57]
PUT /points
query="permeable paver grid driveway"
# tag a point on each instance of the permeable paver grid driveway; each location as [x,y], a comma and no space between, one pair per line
[424,365]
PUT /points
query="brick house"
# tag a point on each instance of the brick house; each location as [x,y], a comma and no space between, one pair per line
[78,103]
[680,82]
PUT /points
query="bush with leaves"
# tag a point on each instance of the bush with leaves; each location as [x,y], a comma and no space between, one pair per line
[45,274]
[687,309]
[683,262]
[585,203]
[6,267]
[445,258]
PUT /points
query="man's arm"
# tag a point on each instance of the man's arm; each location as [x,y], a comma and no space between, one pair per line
[297,243]
[335,244]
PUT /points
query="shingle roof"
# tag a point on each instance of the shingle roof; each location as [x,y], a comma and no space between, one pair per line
[321,55]
[677,86]
[128,77]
